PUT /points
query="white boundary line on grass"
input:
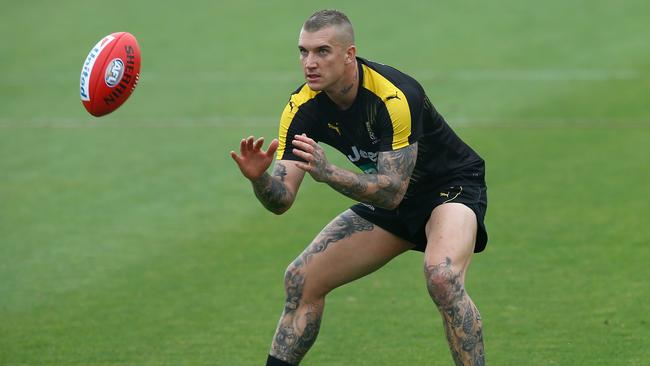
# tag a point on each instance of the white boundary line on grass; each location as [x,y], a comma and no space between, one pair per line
[113,122]
[264,121]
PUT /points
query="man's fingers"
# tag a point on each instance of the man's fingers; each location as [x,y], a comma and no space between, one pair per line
[242,147]
[303,145]
[273,146]
[257,145]
[305,139]
[249,143]
[235,157]
[301,154]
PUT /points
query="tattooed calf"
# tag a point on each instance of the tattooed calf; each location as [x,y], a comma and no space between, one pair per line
[462,321]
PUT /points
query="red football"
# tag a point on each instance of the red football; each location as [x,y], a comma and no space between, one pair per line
[110,73]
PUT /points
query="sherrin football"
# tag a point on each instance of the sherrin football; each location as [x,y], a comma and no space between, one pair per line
[110,73]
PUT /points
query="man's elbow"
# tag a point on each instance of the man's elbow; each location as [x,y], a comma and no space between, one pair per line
[398,196]
[393,199]
[278,208]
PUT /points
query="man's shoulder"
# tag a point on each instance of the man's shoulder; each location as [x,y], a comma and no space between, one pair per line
[387,71]
[381,78]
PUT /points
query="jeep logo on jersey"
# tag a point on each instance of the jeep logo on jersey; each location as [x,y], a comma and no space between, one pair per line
[358,154]
[114,72]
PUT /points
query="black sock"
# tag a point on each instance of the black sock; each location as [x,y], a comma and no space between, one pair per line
[272,361]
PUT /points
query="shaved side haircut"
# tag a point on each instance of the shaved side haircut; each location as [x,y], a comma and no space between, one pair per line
[331,18]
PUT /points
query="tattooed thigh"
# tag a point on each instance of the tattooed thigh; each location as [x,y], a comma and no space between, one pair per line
[348,248]
[343,226]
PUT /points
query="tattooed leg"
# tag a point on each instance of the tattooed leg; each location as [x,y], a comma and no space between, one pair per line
[451,233]
[348,248]
[300,321]
[461,318]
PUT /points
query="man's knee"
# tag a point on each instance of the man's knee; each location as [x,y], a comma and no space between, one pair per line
[294,283]
[299,287]
[444,284]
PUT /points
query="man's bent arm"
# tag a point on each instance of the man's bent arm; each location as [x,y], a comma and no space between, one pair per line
[384,189]
[278,191]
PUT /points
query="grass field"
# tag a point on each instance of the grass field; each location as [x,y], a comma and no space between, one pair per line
[133,239]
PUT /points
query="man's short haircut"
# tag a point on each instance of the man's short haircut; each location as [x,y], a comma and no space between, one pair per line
[327,18]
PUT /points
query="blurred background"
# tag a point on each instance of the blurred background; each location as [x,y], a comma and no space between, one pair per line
[132,239]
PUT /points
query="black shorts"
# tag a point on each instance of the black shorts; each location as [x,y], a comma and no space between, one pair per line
[409,219]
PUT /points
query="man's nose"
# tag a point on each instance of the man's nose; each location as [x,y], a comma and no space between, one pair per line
[310,61]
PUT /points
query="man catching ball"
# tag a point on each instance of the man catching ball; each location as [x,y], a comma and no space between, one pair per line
[421,187]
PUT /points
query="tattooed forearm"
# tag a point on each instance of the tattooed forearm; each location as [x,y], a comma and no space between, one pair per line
[271,191]
[384,189]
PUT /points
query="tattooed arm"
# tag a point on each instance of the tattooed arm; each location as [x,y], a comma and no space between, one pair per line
[277,191]
[384,189]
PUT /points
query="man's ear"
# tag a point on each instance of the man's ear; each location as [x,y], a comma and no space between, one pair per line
[350,54]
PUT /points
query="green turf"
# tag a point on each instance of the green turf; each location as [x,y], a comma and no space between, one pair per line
[133,240]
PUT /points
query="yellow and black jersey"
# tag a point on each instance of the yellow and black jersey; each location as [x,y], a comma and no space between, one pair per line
[391,111]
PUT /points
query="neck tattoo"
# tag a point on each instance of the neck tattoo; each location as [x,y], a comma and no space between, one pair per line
[346,89]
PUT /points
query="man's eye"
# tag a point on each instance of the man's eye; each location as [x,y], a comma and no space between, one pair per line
[323,52]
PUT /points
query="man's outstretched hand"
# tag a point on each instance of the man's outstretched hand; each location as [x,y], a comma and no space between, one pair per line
[253,161]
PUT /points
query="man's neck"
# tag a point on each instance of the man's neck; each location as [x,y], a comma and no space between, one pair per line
[345,93]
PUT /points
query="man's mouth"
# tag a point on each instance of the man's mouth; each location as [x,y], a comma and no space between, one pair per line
[312,77]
